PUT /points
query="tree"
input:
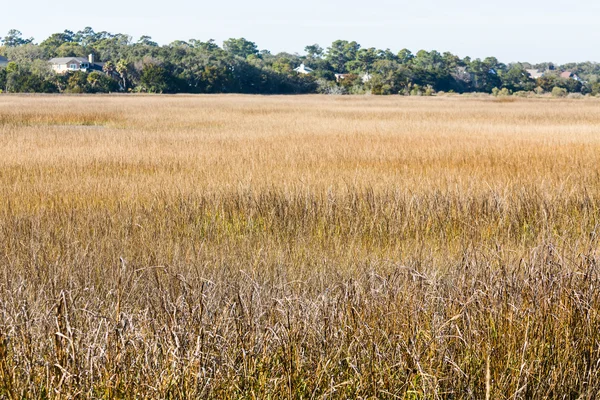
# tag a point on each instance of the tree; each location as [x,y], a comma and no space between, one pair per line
[283,65]
[340,53]
[430,69]
[405,56]
[154,78]
[85,37]
[516,78]
[122,69]
[366,57]
[559,92]
[216,79]
[387,54]
[14,38]
[12,67]
[77,82]
[389,77]
[70,49]
[208,46]
[93,78]
[102,83]
[56,40]
[109,68]
[484,75]
[147,41]
[314,51]
[240,47]
[25,54]
[2,79]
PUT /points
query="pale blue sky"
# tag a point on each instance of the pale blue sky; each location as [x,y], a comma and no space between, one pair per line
[512,30]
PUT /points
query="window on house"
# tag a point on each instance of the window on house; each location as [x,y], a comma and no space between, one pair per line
[73,66]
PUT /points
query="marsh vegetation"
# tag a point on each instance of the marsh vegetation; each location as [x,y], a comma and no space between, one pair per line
[299,247]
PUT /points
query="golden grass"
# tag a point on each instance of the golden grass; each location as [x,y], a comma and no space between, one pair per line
[299,247]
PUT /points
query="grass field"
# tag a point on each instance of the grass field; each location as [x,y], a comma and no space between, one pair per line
[299,247]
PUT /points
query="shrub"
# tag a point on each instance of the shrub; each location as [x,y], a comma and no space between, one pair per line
[559,92]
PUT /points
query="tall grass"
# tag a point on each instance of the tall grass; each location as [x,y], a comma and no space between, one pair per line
[299,247]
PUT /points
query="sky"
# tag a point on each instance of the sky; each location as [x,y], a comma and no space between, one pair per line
[511,30]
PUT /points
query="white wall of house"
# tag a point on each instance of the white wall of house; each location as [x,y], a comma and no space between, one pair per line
[69,67]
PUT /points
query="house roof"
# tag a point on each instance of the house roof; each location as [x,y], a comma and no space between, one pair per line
[566,74]
[535,73]
[304,68]
[66,60]
[3,60]
[81,60]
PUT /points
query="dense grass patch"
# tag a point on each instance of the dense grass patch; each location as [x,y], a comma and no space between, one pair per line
[242,247]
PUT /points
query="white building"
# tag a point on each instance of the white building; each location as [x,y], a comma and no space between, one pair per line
[303,69]
[61,65]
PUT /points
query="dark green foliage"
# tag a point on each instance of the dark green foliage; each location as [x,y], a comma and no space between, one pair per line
[195,66]
[240,47]
[155,79]
[14,38]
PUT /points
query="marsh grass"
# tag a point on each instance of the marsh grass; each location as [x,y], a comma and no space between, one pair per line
[299,247]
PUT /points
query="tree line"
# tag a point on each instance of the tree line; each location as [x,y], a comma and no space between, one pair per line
[238,66]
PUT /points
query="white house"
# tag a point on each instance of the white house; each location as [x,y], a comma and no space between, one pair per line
[303,69]
[3,62]
[366,77]
[61,65]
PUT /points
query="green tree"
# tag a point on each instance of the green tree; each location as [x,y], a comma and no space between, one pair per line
[86,37]
[484,75]
[366,57]
[387,54]
[430,69]
[25,54]
[154,78]
[283,65]
[109,67]
[516,78]
[147,41]
[314,51]
[405,56]
[70,49]
[240,47]
[77,82]
[340,53]
[208,46]
[101,83]
[547,82]
[93,78]
[14,38]
[2,79]
[122,69]
[389,77]
[56,40]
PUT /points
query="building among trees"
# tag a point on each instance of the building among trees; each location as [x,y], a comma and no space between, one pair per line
[63,65]
[303,69]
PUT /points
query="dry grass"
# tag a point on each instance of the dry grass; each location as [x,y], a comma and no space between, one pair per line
[299,247]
